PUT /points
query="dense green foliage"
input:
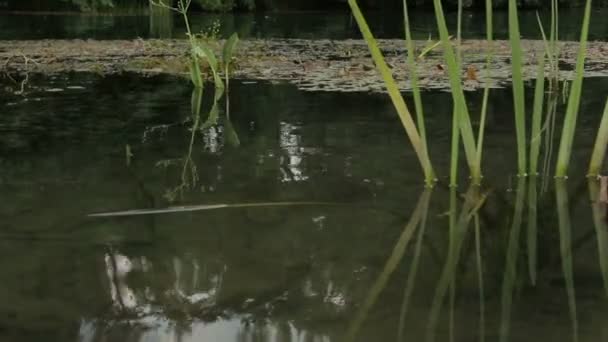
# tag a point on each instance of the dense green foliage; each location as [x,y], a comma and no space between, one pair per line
[247,5]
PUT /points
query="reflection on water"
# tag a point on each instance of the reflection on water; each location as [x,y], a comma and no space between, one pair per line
[392,262]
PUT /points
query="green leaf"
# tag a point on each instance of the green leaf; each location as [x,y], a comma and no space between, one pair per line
[202,50]
[229,48]
[195,73]
[518,86]
[565,146]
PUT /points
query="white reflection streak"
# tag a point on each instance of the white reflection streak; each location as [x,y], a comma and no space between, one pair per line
[117,268]
[290,143]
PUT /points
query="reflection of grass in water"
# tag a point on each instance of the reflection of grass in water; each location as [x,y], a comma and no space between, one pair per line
[479,264]
[510,272]
[417,219]
[598,206]
[411,277]
[565,241]
[532,228]
[458,231]
[601,142]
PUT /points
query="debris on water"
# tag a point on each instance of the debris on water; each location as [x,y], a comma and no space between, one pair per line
[319,66]
[54,90]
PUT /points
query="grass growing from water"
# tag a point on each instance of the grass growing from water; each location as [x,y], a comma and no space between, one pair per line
[486,90]
[537,113]
[518,87]
[567,138]
[461,111]
[395,95]
[461,126]
[411,64]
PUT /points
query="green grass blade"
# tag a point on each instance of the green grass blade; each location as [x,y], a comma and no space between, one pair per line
[537,114]
[462,112]
[195,72]
[565,146]
[394,93]
[518,86]
[411,64]
[486,90]
[548,49]
[601,142]
[455,149]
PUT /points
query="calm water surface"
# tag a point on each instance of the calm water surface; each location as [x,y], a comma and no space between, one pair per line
[353,269]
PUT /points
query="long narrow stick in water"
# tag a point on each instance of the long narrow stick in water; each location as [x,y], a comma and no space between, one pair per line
[187,208]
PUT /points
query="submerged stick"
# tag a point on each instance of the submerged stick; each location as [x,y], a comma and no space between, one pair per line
[187,208]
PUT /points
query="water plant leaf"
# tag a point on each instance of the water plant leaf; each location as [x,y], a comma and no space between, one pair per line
[229,48]
[195,73]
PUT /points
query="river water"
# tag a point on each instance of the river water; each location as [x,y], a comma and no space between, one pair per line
[358,250]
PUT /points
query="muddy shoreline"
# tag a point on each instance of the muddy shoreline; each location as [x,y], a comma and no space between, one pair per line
[319,65]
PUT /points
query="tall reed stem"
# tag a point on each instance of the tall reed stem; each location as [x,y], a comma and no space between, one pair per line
[461,110]
[518,87]
[565,146]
